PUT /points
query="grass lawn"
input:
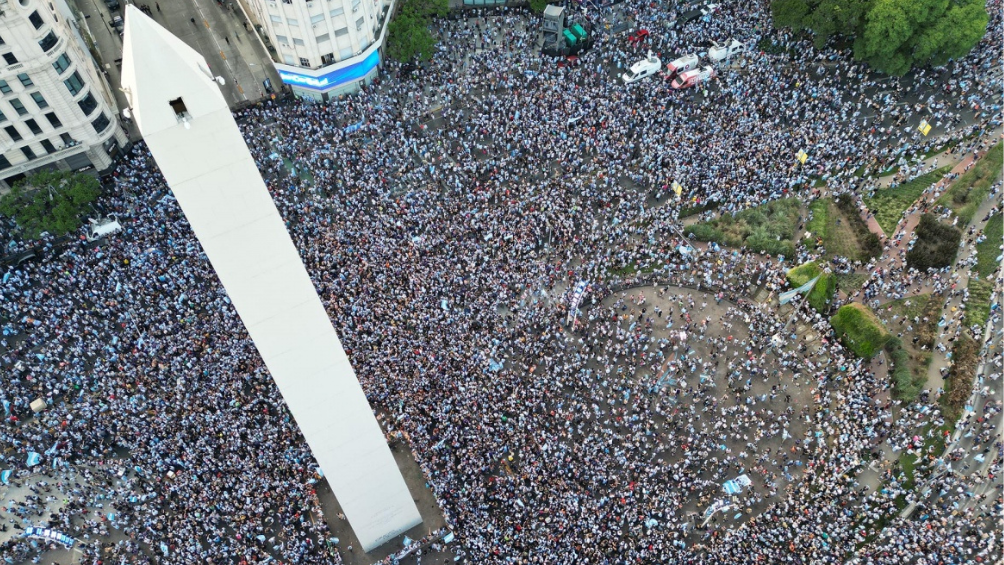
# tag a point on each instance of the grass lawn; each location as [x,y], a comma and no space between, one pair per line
[888,204]
[899,316]
[817,224]
[840,239]
[769,228]
[850,282]
[978,306]
[971,189]
[988,251]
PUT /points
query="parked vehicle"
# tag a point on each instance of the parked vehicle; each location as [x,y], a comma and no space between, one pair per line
[112,5]
[683,64]
[693,77]
[719,53]
[642,69]
[639,36]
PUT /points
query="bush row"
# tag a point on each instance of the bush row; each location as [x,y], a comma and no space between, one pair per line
[860,330]
[962,374]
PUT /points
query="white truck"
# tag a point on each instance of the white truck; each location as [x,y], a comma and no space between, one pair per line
[644,68]
[731,49]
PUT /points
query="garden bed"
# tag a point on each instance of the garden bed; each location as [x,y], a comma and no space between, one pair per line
[860,330]
[889,204]
[968,191]
[769,228]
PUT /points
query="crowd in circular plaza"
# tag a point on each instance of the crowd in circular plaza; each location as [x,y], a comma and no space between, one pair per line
[444,252]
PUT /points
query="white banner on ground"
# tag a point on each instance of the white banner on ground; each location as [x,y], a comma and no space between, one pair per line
[49,535]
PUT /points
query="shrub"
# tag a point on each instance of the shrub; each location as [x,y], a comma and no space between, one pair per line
[765,229]
[928,331]
[706,232]
[821,295]
[988,251]
[936,245]
[961,375]
[859,329]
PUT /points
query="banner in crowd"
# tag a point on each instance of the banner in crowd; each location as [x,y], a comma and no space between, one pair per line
[736,485]
[718,506]
[49,535]
[5,476]
[354,127]
[576,298]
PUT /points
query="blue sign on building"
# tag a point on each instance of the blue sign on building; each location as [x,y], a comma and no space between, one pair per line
[336,77]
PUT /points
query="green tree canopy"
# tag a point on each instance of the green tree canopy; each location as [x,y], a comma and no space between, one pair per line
[50,201]
[893,36]
[408,35]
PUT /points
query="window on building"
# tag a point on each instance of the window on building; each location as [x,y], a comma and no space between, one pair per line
[355,4]
[4,87]
[304,62]
[48,42]
[276,19]
[337,12]
[10,58]
[2,42]
[18,106]
[345,54]
[317,19]
[13,133]
[359,24]
[4,163]
[33,126]
[327,59]
[48,146]
[287,1]
[293,22]
[322,39]
[3,117]
[39,100]
[282,39]
[54,120]
[88,104]
[29,153]
[341,32]
[101,124]
[61,64]
[36,20]
[297,41]
[25,79]
[67,139]
[74,84]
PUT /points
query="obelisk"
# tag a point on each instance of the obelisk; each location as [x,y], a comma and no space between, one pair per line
[177,104]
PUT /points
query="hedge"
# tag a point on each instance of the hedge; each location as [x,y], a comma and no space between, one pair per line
[905,386]
[936,245]
[821,295]
[860,330]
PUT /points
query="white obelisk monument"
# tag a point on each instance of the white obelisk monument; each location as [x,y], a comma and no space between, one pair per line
[185,121]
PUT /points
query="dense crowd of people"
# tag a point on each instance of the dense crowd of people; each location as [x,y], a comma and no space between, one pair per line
[443,246]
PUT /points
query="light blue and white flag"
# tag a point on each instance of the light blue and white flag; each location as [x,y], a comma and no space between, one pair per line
[34,459]
[5,476]
[786,297]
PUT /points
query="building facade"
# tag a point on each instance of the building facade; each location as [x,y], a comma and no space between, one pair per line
[56,109]
[324,48]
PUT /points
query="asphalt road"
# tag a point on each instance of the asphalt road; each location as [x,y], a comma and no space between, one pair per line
[218,33]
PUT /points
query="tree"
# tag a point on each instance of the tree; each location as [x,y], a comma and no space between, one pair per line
[408,34]
[538,6]
[50,201]
[893,36]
